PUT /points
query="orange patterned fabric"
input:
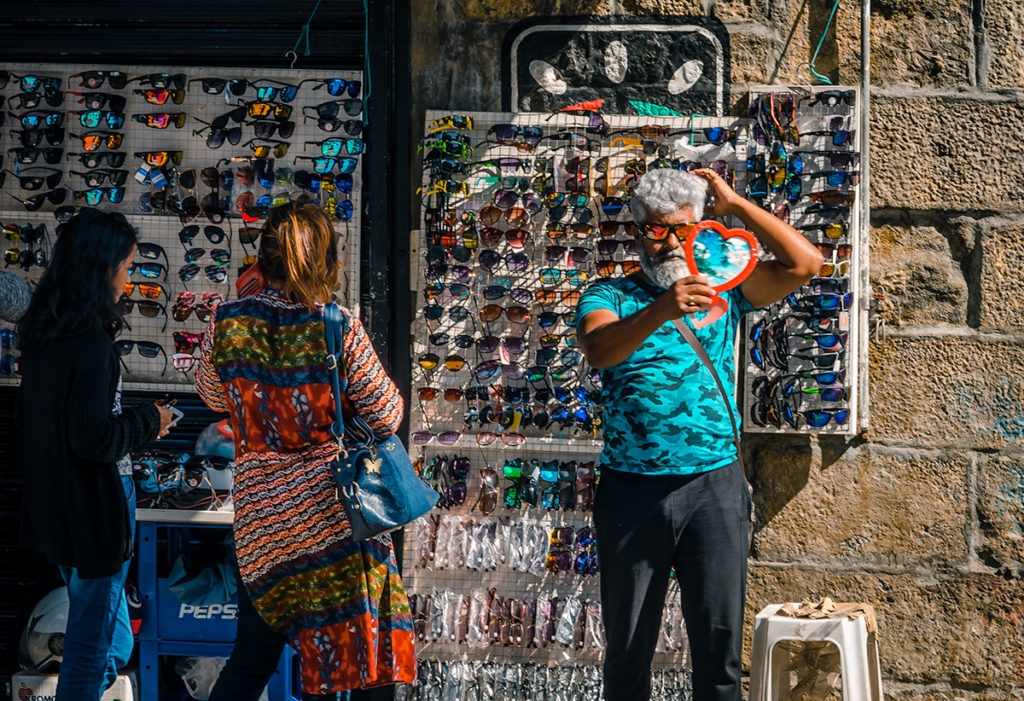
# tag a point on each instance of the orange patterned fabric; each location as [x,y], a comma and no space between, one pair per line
[340,603]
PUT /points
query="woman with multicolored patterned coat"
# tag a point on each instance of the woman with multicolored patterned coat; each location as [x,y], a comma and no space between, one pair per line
[339,603]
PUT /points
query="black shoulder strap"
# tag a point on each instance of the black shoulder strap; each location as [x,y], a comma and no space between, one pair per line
[691,338]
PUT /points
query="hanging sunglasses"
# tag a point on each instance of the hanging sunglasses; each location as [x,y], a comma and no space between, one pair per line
[147,307]
[215,86]
[269,110]
[457,290]
[715,135]
[573,140]
[491,369]
[513,345]
[831,231]
[835,178]
[833,98]
[819,418]
[95,195]
[149,290]
[282,91]
[837,159]
[220,256]
[147,349]
[41,118]
[266,129]
[606,268]
[840,137]
[214,234]
[825,302]
[278,148]
[548,319]
[832,198]
[161,120]
[325,164]
[33,137]
[546,298]
[509,133]
[578,254]
[93,140]
[95,79]
[35,182]
[578,230]
[333,147]
[185,342]
[444,438]
[159,158]
[32,100]
[335,86]
[607,247]
[830,269]
[156,96]
[218,135]
[515,314]
[827,211]
[94,118]
[611,206]
[516,261]
[38,83]
[214,273]
[35,202]
[150,270]
[433,312]
[101,101]
[161,80]
[114,159]
[552,276]
[185,305]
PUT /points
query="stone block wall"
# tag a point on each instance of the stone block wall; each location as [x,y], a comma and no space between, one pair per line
[923,515]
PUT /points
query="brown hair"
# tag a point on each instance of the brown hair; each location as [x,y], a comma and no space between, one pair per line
[299,250]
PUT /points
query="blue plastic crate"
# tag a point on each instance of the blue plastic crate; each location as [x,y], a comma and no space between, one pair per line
[180,621]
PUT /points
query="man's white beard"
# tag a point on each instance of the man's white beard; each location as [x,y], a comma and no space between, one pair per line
[665,268]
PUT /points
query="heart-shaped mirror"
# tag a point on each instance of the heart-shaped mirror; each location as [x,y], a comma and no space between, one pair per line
[724,256]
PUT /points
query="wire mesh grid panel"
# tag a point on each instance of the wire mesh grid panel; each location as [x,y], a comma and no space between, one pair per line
[519,213]
[194,158]
[801,355]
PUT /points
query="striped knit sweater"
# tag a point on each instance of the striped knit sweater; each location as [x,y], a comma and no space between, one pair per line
[264,360]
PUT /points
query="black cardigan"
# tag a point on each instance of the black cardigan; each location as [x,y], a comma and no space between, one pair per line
[73,508]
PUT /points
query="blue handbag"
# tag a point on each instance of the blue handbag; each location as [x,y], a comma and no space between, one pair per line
[377,484]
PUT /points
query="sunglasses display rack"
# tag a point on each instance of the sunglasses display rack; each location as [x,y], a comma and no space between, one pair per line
[519,213]
[193,157]
[802,354]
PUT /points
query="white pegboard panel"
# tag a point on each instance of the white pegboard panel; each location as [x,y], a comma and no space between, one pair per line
[819,155]
[163,228]
[572,444]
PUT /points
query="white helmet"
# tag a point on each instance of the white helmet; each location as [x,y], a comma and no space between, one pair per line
[42,641]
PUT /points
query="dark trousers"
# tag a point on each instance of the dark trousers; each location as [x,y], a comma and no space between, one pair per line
[647,524]
[254,658]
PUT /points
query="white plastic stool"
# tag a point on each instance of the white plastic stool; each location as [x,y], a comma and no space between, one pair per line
[858,652]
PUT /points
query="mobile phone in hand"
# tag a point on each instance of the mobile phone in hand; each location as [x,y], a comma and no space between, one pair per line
[176,413]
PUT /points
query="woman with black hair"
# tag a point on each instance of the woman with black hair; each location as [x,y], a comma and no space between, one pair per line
[78,504]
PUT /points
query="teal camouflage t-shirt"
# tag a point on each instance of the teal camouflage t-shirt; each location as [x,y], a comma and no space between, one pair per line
[663,411]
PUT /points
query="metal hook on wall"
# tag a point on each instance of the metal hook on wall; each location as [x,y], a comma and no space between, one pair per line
[295,57]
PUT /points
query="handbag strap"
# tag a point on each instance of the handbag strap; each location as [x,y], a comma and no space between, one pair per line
[334,330]
[691,338]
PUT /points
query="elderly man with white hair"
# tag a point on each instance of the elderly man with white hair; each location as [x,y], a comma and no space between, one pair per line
[672,492]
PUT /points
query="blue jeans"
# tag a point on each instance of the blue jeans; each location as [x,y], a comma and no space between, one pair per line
[98,640]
